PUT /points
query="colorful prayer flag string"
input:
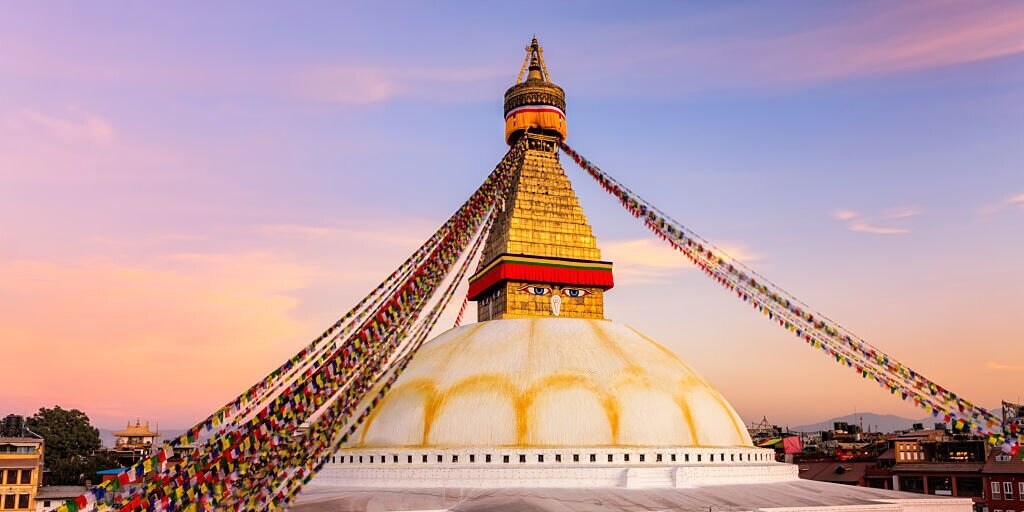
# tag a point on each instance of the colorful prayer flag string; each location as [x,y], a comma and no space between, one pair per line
[815,329]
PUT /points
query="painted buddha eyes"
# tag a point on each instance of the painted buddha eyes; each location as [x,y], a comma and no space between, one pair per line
[546,290]
[536,290]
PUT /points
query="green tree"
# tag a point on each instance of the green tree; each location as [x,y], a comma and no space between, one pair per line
[71,443]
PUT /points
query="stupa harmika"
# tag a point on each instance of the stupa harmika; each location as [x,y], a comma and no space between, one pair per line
[544,404]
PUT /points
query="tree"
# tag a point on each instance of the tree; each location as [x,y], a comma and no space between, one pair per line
[71,443]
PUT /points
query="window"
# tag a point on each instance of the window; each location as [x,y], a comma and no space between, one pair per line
[522,458]
[969,486]
[1008,490]
[12,477]
[996,492]
[558,457]
[350,459]
[455,458]
[23,500]
[610,457]
[593,457]
[9,501]
[698,457]
[394,458]
[1020,490]
[625,457]
[575,457]
[26,476]
[409,461]
[712,457]
[360,459]
[472,458]
[732,457]
[540,458]
[504,458]
[686,457]
[371,459]
[46,503]
[424,458]
[440,458]
[487,458]
[641,457]
[657,458]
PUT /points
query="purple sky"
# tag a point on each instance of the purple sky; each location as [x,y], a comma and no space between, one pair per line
[192,191]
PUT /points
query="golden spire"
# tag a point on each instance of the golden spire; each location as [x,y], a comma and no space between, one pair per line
[541,258]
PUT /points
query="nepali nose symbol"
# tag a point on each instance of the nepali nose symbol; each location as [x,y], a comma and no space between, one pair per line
[556,304]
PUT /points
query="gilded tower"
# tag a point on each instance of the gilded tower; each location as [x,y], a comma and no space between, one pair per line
[541,258]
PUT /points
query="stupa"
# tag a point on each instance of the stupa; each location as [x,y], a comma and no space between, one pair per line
[544,404]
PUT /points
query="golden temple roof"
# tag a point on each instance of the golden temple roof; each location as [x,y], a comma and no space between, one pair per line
[136,430]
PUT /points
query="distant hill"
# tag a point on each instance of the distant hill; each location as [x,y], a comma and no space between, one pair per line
[107,435]
[878,422]
[871,421]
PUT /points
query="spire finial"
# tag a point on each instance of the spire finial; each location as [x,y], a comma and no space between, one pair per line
[535,63]
[536,97]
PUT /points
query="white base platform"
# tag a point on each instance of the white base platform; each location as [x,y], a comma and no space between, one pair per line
[789,496]
[554,467]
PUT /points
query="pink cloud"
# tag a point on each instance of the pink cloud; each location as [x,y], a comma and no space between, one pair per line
[917,36]
[874,38]
[1010,202]
[883,224]
[76,125]
[359,84]
[845,214]
[864,227]
[1003,366]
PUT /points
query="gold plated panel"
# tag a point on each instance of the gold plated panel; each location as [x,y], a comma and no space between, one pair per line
[542,218]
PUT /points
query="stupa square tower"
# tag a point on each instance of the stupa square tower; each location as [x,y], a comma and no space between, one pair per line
[541,258]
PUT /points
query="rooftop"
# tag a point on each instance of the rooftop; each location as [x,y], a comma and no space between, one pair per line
[136,430]
[17,440]
[835,472]
[993,466]
[56,492]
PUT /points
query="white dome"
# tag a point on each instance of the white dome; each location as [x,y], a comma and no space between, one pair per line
[550,382]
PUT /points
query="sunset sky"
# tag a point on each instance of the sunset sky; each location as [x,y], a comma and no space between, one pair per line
[193,191]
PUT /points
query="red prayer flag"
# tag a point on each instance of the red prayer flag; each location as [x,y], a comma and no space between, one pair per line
[792,445]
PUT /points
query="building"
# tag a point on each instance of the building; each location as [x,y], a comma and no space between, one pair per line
[21,465]
[933,462]
[51,497]
[134,443]
[544,404]
[910,446]
[1004,480]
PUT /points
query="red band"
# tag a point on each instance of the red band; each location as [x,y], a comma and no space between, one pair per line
[509,271]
